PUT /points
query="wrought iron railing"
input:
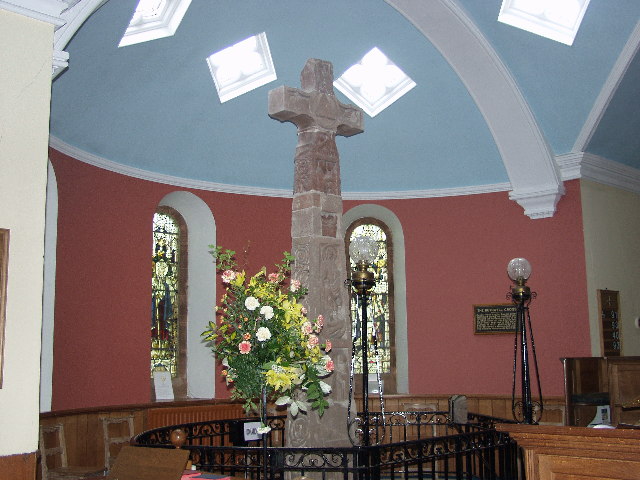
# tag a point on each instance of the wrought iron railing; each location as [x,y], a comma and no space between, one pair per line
[403,446]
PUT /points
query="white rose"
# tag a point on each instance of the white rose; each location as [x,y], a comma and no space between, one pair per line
[263,334]
[251,303]
[267,312]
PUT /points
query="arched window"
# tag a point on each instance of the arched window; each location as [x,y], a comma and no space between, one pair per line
[168,297]
[380,311]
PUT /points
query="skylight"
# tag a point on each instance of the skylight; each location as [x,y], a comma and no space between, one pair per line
[242,67]
[374,83]
[557,20]
[154,19]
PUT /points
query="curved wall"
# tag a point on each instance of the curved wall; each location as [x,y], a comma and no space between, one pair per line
[457,249]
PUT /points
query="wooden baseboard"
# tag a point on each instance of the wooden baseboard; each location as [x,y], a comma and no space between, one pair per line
[18,467]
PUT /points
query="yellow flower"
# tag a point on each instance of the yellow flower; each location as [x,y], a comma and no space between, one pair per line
[239,280]
[292,311]
[283,378]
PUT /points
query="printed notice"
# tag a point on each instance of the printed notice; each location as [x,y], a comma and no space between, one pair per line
[499,318]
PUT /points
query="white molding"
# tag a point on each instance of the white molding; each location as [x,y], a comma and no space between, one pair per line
[572,166]
[526,155]
[434,193]
[105,164]
[537,203]
[73,18]
[43,10]
[100,162]
[599,169]
[569,165]
[608,172]
[60,62]
[608,90]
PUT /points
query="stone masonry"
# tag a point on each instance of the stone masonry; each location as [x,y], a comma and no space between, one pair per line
[317,234]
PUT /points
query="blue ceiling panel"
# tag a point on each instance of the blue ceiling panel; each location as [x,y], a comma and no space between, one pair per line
[153,106]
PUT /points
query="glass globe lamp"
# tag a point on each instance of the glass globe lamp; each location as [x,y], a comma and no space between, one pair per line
[363,251]
[519,270]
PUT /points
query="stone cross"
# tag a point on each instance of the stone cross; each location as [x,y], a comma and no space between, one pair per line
[317,235]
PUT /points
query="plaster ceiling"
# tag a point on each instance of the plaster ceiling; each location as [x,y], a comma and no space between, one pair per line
[495,107]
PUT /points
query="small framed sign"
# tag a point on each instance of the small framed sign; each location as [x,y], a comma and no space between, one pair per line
[4,262]
[494,319]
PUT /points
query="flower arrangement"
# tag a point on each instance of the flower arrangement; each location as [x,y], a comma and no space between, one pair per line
[265,341]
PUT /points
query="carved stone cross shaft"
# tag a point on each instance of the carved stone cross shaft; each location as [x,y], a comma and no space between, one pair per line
[317,234]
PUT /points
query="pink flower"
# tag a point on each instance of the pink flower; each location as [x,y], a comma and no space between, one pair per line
[228,276]
[307,328]
[304,310]
[244,347]
[313,341]
[320,321]
[327,346]
[329,366]
[273,278]
[295,285]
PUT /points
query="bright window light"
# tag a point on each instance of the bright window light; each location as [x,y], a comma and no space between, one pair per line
[154,19]
[374,83]
[557,20]
[242,67]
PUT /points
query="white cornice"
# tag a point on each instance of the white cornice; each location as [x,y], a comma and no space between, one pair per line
[73,18]
[100,162]
[434,193]
[572,166]
[527,158]
[44,10]
[607,172]
[105,164]
[599,169]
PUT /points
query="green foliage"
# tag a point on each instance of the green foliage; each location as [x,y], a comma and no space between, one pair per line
[263,338]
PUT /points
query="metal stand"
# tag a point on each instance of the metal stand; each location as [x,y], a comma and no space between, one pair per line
[526,410]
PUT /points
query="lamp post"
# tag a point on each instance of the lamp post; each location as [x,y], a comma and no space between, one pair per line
[519,270]
[363,251]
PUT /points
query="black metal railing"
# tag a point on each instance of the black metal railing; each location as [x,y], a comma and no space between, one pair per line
[403,446]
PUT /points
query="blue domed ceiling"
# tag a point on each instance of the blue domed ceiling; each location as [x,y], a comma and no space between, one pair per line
[152,107]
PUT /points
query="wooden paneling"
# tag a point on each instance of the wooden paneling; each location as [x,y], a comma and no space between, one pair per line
[84,431]
[492,405]
[577,452]
[160,417]
[18,467]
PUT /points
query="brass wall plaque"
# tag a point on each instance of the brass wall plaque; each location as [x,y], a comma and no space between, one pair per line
[494,319]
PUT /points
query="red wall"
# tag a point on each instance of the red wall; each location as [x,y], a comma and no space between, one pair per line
[457,249]
[103,283]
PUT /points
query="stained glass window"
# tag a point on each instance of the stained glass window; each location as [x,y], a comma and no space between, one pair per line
[379,308]
[164,297]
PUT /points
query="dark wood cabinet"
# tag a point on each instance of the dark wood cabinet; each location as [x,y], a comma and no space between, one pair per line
[591,382]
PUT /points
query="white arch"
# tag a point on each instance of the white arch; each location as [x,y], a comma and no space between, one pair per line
[527,157]
[399,283]
[201,294]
